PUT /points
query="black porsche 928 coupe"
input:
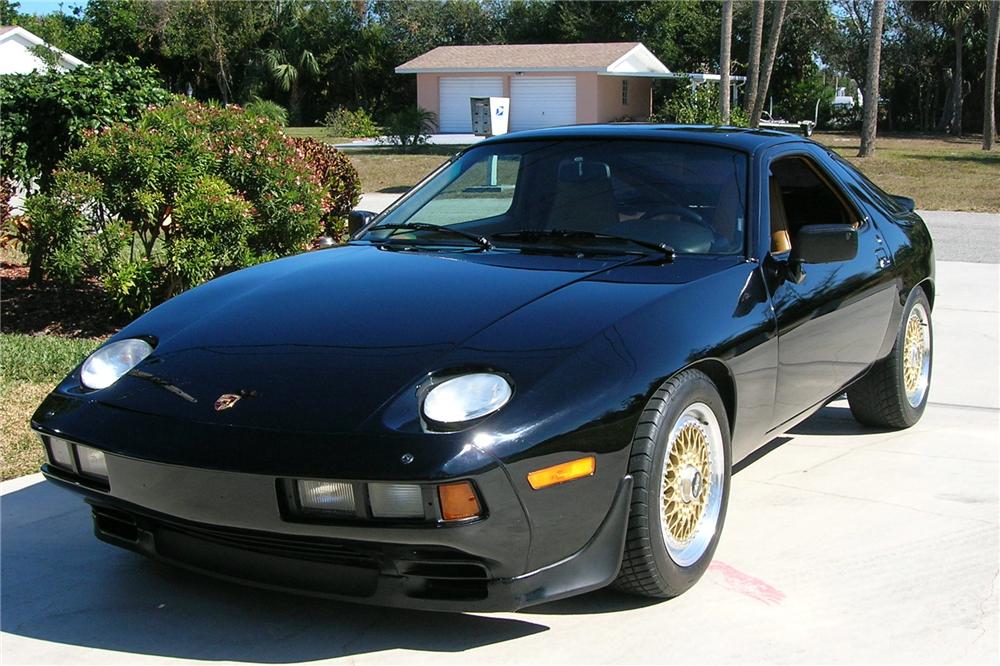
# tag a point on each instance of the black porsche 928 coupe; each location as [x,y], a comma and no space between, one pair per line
[530,377]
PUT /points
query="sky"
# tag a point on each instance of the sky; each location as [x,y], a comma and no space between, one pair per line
[49,6]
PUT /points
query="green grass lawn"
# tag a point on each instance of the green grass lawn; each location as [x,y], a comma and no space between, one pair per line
[30,366]
[939,173]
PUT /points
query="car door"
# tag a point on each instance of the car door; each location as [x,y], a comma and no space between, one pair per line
[831,317]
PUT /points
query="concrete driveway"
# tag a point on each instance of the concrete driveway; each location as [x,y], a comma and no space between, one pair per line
[842,544]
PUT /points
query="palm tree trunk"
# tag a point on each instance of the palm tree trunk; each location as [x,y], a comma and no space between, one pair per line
[772,52]
[957,95]
[990,96]
[753,67]
[724,60]
[295,103]
[871,80]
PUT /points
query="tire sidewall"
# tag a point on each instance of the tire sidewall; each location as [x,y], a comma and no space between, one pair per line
[698,389]
[912,414]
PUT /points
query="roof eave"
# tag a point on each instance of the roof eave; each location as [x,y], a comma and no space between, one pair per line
[497,70]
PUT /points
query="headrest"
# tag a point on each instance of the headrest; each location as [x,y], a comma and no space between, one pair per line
[579,171]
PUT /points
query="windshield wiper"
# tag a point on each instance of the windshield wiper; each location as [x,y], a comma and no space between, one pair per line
[534,235]
[481,241]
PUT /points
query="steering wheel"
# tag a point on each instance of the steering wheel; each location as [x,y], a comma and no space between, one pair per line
[689,234]
[673,209]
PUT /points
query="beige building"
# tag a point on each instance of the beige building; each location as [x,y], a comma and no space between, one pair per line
[548,84]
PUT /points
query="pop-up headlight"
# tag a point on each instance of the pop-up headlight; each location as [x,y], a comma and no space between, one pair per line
[106,365]
[466,398]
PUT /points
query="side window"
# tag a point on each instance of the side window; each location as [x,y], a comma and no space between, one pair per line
[485,189]
[800,195]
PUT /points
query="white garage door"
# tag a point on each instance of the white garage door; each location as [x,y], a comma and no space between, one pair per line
[454,93]
[542,101]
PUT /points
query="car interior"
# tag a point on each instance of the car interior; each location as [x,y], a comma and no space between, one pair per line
[691,198]
[799,196]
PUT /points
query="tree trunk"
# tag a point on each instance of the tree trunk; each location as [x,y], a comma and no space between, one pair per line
[772,52]
[958,94]
[753,67]
[295,103]
[871,80]
[948,108]
[724,60]
[990,94]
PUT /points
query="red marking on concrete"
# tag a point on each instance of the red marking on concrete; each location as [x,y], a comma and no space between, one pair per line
[747,585]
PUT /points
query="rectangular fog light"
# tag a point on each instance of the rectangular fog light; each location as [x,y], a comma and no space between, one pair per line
[60,453]
[92,462]
[326,496]
[396,500]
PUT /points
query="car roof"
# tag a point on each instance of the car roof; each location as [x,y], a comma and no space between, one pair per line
[741,138]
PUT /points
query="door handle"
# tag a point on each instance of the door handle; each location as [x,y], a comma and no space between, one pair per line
[883,258]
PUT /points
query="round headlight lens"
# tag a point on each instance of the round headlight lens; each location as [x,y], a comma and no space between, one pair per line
[467,397]
[106,365]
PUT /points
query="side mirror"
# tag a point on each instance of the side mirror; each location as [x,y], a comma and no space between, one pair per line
[825,243]
[358,220]
[907,203]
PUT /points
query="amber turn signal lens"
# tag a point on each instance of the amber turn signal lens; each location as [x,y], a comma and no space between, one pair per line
[458,501]
[561,473]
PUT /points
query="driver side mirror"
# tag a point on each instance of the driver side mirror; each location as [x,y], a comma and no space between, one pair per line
[825,243]
[358,220]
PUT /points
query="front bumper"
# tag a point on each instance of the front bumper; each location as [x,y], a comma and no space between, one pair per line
[227,525]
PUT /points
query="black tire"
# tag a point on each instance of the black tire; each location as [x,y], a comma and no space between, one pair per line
[647,568]
[879,398]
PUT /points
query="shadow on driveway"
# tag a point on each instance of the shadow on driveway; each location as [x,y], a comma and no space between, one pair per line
[62,585]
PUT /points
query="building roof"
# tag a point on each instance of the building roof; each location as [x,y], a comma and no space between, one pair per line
[604,58]
[29,39]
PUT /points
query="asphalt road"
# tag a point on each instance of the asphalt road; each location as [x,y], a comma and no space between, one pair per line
[842,545]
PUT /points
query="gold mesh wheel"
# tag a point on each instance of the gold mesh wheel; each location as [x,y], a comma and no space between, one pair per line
[686,480]
[916,355]
[692,484]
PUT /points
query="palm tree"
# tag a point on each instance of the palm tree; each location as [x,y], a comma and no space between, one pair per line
[753,67]
[952,15]
[725,60]
[777,15]
[990,95]
[286,72]
[871,80]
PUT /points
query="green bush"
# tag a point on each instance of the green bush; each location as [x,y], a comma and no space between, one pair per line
[356,124]
[45,114]
[267,109]
[339,177]
[410,127]
[188,192]
[699,106]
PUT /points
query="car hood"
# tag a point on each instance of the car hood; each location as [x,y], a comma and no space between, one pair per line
[318,342]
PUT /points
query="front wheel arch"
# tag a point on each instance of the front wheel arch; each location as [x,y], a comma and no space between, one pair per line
[720,375]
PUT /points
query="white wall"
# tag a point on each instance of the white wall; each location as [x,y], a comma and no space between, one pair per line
[16,57]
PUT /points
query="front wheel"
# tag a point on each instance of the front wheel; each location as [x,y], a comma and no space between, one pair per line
[894,392]
[681,464]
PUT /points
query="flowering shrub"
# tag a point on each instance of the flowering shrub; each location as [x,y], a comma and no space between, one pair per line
[188,192]
[46,113]
[339,177]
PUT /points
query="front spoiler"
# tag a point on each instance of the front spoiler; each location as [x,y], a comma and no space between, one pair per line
[377,572]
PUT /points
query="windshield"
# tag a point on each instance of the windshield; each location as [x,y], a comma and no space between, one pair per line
[691,198]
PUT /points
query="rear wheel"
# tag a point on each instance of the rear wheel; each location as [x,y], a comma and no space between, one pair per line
[680,464]
[894,392]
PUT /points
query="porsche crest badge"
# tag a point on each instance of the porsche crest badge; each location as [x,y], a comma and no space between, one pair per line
[226,401]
